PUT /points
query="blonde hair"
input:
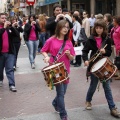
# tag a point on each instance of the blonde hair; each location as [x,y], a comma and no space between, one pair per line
[41,17]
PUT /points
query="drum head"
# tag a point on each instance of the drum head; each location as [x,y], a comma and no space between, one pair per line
[98,64]
[52,66]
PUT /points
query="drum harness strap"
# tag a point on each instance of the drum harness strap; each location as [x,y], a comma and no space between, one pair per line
[103,44]
[52,74]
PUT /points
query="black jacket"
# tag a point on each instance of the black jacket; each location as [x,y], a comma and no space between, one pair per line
[27,30]
[11,32]
[16,37]
[92,45]
[51,25]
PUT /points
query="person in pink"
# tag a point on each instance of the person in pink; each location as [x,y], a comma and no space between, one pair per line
[53,46]
[115,34]
[31,37]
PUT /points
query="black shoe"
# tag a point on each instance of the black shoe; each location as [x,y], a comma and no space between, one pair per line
[77,65]
[73,63]
[13,89]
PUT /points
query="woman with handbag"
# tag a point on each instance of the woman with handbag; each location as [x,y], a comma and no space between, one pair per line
[55,44]
[115,34]
[76,33]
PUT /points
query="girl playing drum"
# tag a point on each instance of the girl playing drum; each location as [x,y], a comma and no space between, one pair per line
[53,46]
[95,43]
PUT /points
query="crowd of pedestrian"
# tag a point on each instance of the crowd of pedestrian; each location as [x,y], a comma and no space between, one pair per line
[52,36]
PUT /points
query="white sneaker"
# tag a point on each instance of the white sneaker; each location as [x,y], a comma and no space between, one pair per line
[1,83]
[13,89]
[33,66]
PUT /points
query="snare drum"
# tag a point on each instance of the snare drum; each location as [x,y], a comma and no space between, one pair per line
[55,74]
[103,69]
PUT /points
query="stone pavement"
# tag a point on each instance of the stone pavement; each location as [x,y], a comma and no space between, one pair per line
[33,99]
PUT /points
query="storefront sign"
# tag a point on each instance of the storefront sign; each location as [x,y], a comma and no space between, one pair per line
[47,2]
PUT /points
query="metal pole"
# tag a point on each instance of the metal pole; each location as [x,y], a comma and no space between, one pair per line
[30,9]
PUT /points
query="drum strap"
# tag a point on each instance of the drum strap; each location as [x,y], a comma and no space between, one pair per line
[60,51]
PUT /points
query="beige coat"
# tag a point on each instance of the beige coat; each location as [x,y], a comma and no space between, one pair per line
[86,26]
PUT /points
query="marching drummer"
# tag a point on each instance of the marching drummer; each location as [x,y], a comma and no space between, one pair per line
[96,42]
[61,50]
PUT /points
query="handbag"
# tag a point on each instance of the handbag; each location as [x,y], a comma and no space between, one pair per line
[117,61]
[78,50]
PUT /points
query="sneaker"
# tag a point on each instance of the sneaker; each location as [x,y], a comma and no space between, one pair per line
[114,112]
[24,45]
[13,89]
[14,68]
[56,109]
[64,118]
[88,106]
[1,83]
[33,66]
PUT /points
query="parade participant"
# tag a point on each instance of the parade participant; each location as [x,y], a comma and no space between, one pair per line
[31,36]
[16,38]
[6,52]
[96,42]
[53,46]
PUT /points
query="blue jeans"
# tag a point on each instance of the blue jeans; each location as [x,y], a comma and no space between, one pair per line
[107,90]
[59,99]
[42,39]
[32,48]
[7,62]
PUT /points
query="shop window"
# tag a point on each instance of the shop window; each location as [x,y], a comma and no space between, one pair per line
[78,6]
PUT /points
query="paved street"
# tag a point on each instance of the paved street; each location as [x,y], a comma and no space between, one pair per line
[33,99]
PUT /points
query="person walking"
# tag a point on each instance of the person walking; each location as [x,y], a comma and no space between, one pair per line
[115,35]
[53,46]
[31,36]
[96,42]
[7,52]
[16,38]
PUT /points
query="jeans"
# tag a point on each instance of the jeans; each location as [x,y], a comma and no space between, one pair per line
[59,99]
[107,91]
[42,40]
[32,48]
[7,62]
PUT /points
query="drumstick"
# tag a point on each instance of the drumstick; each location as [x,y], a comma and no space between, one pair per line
[61,55]
[99,53]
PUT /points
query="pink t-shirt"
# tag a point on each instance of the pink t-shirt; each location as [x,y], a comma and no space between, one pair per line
[98,41]
[116,38]
[53,45]
[32,35]
[5,43]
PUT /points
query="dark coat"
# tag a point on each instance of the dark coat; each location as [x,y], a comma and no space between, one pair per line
[92,45]
[51,25]
[27,30]
[16,38]
[11,32]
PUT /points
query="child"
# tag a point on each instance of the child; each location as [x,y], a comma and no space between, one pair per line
[53,46]
[97,41]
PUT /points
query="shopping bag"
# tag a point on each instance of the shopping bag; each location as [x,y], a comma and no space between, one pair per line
[78,50]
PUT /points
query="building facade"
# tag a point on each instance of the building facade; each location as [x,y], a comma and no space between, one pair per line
[46,6]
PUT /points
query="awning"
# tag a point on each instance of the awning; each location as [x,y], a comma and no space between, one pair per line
[47,2]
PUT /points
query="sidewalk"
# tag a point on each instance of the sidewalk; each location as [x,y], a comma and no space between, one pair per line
[33,98]
[99,112]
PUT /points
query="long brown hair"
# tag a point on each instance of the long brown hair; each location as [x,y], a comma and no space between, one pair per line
[100,23]
[59,26]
